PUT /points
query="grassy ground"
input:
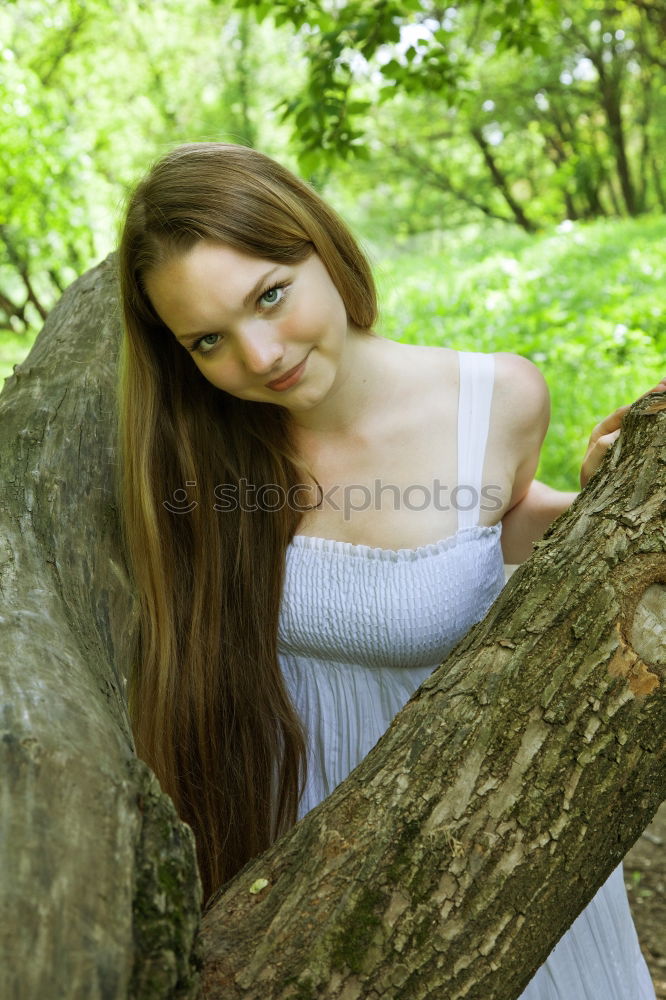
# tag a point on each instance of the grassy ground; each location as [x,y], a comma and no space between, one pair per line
[584,303]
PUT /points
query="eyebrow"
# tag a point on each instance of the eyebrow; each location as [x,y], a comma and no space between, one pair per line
[249,298]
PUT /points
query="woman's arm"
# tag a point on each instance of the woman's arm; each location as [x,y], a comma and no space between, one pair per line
[522,413]
[527,521]
[603,436]
[534,506]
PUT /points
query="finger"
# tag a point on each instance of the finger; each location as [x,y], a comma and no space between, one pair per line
[607,440]
[610,423]
[601,445]
[614,419]
[595,455]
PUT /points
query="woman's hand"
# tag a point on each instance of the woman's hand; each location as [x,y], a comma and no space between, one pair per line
[603,436]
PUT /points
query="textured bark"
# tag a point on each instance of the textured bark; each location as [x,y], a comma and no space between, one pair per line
[97,878]
[503,795]
[449,862]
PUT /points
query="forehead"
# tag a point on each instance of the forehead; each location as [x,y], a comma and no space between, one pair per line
[193,290]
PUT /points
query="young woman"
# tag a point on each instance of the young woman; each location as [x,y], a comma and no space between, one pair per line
[314,515]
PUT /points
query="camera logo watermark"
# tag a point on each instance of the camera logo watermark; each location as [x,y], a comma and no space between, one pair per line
[348,498]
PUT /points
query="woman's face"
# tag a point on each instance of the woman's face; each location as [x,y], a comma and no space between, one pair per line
[258,330]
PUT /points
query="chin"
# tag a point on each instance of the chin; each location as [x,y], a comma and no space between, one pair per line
[304,403]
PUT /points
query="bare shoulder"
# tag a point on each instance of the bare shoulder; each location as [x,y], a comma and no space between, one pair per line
[427,356]
[516,378]
[433,367]
[521,402]
[521,411]
[520,394]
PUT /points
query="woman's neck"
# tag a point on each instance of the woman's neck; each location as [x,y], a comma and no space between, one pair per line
[364,385]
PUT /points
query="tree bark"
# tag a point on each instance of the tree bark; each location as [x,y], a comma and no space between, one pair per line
[502,796]
[450,861]
[610,91]
[98,889]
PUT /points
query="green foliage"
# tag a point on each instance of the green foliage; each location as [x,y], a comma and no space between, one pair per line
[326,116]
[447,113]
[90,94]
[584,303]
[516,108]
[325,113]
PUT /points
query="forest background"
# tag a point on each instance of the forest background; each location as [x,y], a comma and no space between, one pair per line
[502,163]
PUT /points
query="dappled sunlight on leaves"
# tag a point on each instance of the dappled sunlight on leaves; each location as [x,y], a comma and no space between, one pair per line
[584,304]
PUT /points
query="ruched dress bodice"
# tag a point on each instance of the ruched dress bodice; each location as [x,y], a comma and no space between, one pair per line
[380,621]
[361,628]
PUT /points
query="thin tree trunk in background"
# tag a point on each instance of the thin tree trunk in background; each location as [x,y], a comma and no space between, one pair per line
[611,100]
[501,182]
[446,865]
[645,155]
[614,195]
[245,82]
[555,151]
[658,186]
[438,179]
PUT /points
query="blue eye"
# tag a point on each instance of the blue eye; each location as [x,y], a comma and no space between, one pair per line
[272,296]
[207,348]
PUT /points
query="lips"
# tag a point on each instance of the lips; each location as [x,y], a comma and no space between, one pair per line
[289,378]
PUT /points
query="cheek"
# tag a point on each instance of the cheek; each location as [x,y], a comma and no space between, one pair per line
[315,318]
[299,325]
[220,374]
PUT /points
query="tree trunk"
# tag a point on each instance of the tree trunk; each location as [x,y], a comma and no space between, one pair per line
[439,179]
[500,181]
[450,861]
[502,796]
[98,887]
[610,87]
[656,177]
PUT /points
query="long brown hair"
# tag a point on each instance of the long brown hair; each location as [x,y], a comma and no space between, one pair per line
[208,704]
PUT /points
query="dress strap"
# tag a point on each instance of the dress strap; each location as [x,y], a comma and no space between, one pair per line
[477,377]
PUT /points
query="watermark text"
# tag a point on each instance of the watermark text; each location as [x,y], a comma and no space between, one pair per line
[347,498]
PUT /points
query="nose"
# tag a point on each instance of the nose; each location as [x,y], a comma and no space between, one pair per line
[259,350]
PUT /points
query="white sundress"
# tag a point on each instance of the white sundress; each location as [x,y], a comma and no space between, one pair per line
[361,628]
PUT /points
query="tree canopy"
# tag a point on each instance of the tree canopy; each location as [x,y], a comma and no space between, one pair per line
[528,112]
